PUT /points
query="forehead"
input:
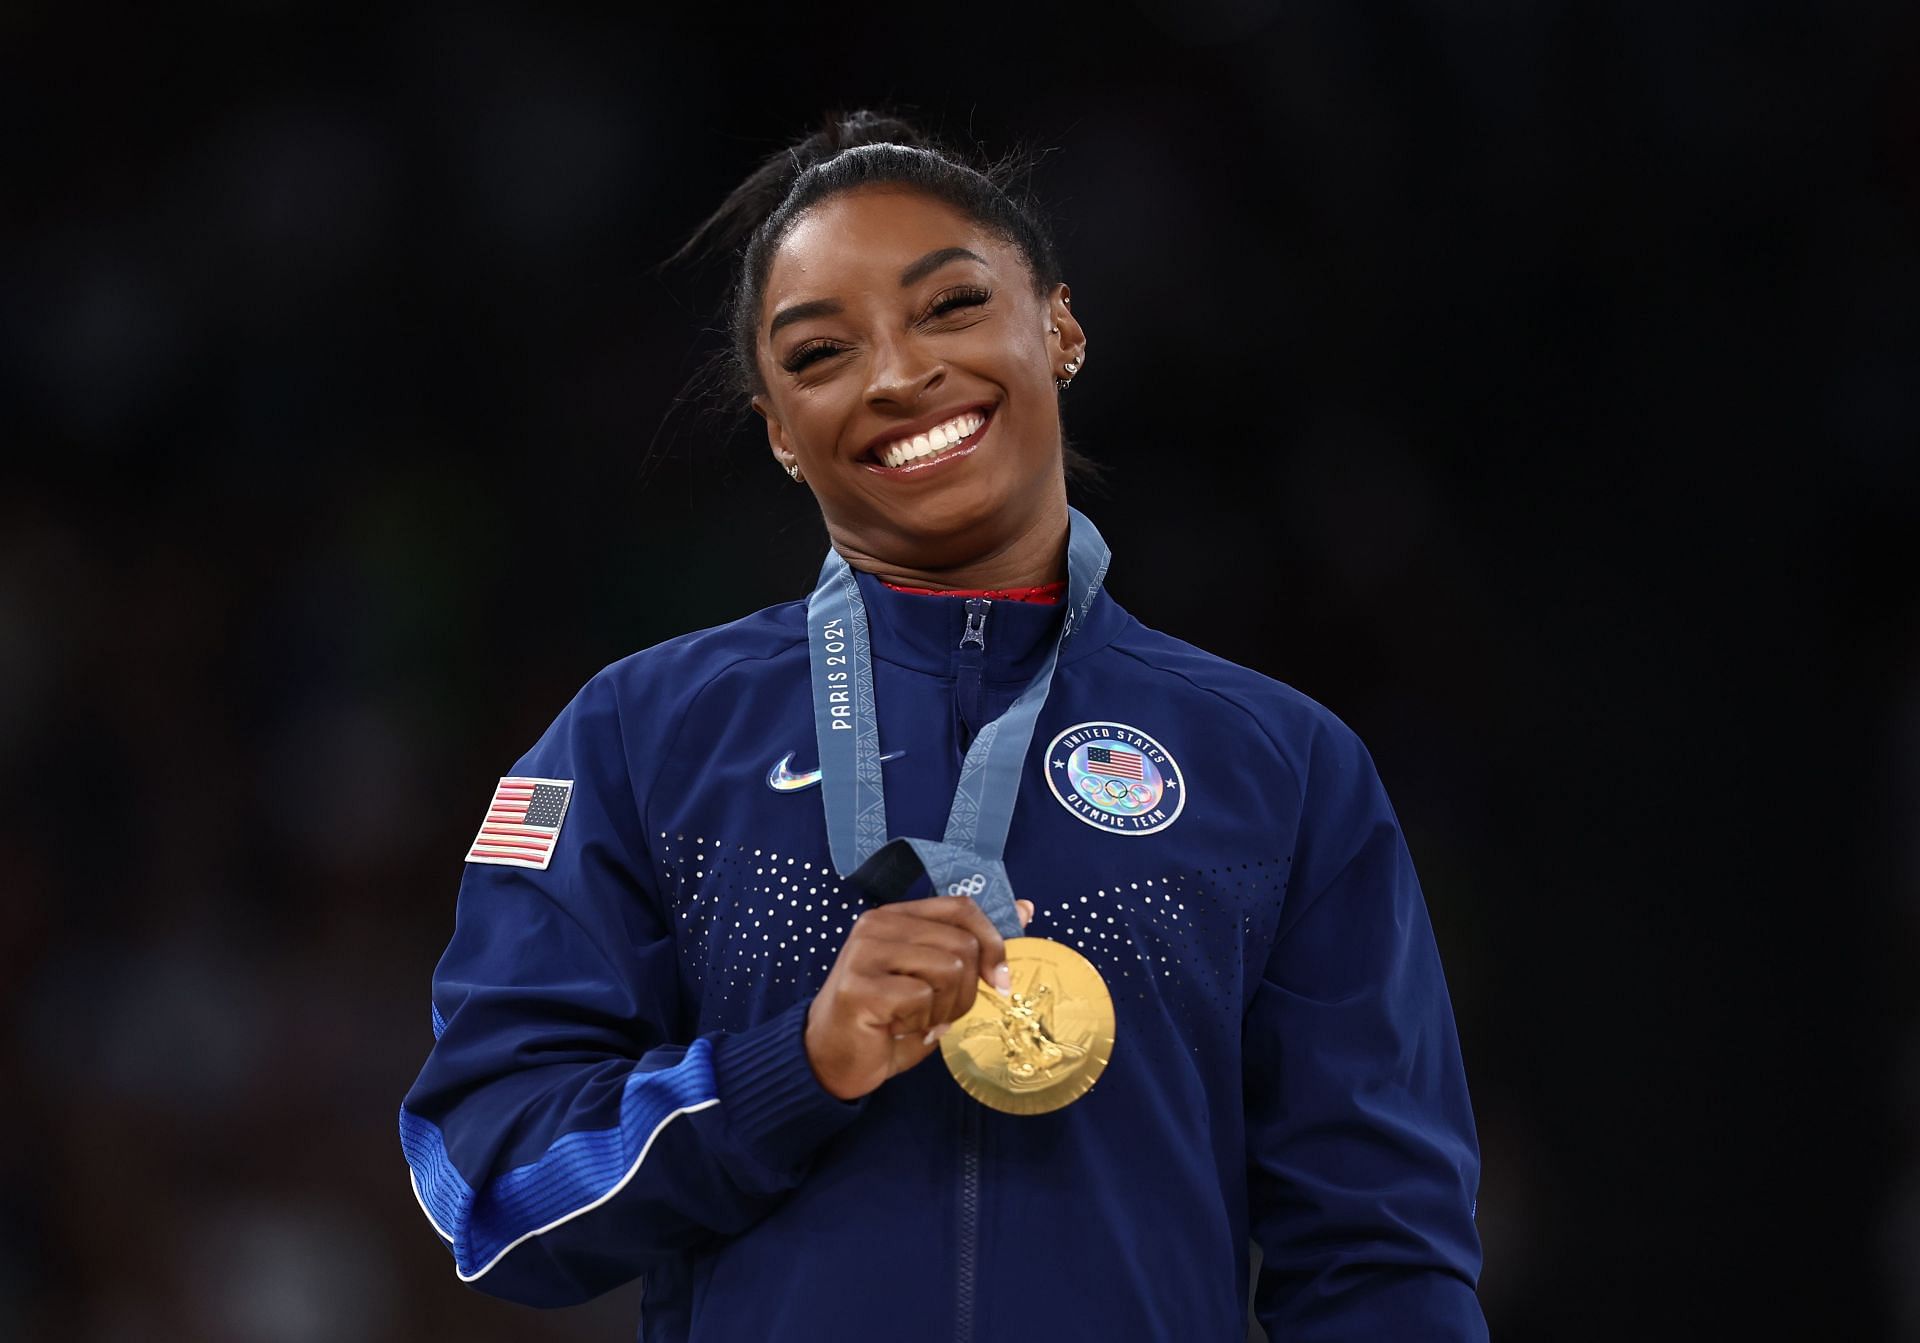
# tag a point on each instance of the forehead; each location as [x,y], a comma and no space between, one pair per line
[862,240]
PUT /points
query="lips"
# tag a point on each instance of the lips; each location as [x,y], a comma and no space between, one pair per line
[939,437]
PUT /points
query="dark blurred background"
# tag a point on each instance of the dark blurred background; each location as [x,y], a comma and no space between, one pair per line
[1536,386]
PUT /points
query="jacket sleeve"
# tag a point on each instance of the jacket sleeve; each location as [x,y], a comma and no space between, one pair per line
[566,1134]
[1362,1159]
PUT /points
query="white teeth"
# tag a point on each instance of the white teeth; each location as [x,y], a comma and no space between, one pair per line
[937,439]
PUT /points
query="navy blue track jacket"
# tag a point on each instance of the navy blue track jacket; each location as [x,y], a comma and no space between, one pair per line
[619,1084]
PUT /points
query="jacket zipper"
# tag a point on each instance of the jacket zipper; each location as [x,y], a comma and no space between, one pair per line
[976,631]
[969,668]
[968,1260]
[970,696]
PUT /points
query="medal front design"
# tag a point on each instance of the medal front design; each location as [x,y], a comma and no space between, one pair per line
[1115,778]
[1044,1045]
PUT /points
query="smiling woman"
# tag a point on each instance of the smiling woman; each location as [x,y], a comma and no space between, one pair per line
[915,390]
[718,920]
[896,314]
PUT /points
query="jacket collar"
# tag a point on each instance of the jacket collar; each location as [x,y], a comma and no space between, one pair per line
[922,631]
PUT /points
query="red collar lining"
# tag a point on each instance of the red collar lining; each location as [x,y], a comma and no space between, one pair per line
[1042,594]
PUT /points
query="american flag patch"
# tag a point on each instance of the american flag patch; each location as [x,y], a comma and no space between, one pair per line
[523,823]
[1113,760]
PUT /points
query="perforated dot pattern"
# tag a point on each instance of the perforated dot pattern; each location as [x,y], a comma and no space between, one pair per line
[758,927]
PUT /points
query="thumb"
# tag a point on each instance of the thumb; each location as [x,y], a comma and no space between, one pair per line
[1025,909]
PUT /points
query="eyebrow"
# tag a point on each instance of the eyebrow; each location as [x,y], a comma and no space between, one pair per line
[933,261]
[800,312]
[827,307]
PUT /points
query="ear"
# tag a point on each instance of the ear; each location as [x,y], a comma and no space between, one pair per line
[1069,345]
[777,439]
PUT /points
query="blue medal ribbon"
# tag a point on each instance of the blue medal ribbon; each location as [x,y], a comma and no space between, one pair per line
[967,859]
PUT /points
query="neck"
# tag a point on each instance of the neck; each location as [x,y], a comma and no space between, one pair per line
[1031,558]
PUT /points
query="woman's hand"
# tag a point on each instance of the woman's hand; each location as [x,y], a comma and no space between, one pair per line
[906,972]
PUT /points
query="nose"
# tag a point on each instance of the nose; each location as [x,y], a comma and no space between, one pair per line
[903,370]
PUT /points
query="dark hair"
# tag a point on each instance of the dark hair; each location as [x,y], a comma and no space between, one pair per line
[851,150]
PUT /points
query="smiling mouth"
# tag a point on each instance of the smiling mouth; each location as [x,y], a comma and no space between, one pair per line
[944,442]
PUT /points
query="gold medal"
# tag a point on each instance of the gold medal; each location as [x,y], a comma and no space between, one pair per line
[1043,1046]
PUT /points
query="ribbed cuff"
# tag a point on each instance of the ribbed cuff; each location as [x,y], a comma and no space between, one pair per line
[776,1108]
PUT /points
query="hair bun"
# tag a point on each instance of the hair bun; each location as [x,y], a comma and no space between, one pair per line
[849,130]
[755,198]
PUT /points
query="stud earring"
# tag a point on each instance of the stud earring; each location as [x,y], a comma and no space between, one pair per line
[793,469]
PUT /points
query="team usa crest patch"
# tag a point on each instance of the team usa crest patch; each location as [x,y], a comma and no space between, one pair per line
[1115,778]
[523,823]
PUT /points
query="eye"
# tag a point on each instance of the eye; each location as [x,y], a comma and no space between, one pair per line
[966,296]
[810,353]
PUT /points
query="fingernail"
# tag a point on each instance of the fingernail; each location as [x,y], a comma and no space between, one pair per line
[936,1032]
[1003,978]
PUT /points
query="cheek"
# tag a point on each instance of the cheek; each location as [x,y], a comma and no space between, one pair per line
[814,417]
[1020,366]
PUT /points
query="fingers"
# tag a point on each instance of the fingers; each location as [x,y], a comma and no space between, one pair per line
[900,1005]
[954,989]
[945,970]
[961,912]
[906,972]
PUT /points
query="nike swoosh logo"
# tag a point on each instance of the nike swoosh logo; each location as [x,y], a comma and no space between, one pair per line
[784,780]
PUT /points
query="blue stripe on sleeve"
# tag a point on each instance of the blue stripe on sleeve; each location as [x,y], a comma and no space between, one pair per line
[576,1174]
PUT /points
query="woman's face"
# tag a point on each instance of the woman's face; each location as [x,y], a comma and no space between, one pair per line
[909,366]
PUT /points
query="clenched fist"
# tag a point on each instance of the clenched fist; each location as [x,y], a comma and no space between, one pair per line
[906,972]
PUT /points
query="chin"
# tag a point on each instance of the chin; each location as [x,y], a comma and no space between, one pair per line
[955,526]
[946,523]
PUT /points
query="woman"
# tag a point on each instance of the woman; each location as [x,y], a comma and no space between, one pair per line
[684,1023]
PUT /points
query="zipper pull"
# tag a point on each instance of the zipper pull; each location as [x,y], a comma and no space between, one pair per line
[976,632]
